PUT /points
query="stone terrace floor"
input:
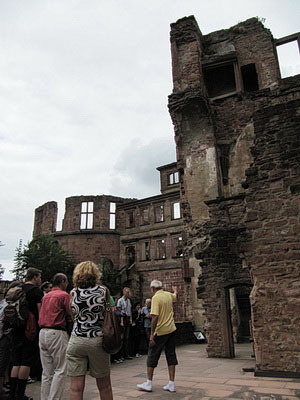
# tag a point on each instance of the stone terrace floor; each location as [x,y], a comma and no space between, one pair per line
[197,377]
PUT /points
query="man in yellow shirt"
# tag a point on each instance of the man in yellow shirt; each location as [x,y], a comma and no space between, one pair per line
[162,335]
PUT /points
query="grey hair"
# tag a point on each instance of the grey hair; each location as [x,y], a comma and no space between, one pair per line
[156,284]
[147,301]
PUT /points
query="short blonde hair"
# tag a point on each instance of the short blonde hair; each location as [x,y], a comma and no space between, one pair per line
[86,274]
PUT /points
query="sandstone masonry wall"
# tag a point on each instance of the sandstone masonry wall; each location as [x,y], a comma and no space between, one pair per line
[273,254]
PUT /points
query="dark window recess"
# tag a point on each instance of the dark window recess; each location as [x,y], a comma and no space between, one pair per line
[250,79]
[130,223]
[220,80]
[130,255]
[161,249]
[224,161]
[144,213]
[159,213]
[146,251]
[177,247]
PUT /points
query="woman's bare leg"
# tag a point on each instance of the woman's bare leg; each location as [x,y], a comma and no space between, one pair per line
[77,387]
[104,387]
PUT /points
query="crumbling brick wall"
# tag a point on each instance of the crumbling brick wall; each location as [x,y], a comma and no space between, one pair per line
[45,219]
[222,267]
[272,219]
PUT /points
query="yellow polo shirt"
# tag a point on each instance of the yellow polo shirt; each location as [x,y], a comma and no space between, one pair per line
[161,305]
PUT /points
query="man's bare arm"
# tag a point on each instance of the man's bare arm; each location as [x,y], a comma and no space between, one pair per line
[175,291]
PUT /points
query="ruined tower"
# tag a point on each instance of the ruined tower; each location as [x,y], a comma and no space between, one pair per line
[237,134]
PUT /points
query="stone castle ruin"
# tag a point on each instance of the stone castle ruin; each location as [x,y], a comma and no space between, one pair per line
[225,228]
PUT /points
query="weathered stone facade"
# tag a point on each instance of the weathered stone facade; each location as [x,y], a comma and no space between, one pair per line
[237,134]
[140,238]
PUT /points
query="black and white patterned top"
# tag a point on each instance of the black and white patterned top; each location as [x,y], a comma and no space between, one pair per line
[88,306]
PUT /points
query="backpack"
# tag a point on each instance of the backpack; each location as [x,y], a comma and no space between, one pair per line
[31,328]
[16,312]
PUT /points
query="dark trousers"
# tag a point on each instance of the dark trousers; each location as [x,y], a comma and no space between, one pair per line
[125,347]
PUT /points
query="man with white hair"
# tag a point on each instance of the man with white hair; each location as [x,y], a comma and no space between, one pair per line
[162,335]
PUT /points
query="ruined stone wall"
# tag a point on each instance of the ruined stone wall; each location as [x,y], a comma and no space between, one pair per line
[219,254]
[45,219]
[222,138]
[101,210]
[88,243]
[91,246]
[273,254]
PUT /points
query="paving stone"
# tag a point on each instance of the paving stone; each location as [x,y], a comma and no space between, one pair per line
[197,379]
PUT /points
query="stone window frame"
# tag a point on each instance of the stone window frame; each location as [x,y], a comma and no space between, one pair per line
[130,219]
[158,219]
[112,215]
[295,37]
[142,220]
[237,75]
[173,210]
[129,261]
[161,249]
[86,215]
[174,247]
[145,253]
[173,178]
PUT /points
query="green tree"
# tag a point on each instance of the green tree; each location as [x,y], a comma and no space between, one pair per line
[46,254]
[110,276]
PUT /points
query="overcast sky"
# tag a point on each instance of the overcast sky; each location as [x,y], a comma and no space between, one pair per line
[83,97]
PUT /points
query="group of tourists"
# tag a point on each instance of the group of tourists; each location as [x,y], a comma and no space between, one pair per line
[66,331]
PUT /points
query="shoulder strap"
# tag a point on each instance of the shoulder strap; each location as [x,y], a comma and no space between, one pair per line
[107,295]
[27,290]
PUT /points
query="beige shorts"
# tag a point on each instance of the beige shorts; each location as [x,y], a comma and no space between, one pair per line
[85,354]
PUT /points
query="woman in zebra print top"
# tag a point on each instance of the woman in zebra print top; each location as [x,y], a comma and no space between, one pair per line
[85,345]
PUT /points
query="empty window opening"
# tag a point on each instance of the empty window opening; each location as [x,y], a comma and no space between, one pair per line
[130,255]
[130,220]
[177,246]
[250,78]
[145,256]
[144,213]
[220,80]
[159,213]
[173,178]
[176,210]
[87,215]
[112,215]
[288,57]
[161,249]
[224,150]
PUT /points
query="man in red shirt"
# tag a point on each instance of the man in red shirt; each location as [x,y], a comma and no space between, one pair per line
[54,320]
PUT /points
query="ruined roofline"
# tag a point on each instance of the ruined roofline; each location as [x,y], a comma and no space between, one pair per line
[47,204]
[93,196]
[155,199]
[239,28]
[167,166]
[184,29]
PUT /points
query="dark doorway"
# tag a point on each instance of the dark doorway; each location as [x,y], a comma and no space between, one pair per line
[237,318]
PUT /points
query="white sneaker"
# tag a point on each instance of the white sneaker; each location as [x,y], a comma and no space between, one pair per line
[146,387]
[170,387]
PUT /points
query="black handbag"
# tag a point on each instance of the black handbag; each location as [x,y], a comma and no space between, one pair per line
[112,338]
